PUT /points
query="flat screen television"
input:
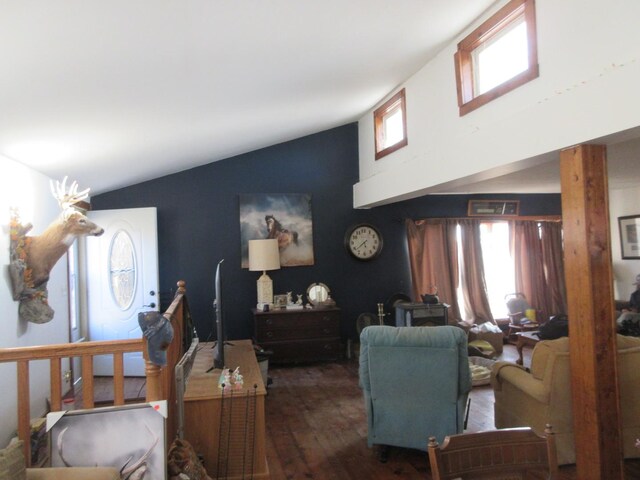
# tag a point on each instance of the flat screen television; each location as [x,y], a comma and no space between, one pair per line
[218,352]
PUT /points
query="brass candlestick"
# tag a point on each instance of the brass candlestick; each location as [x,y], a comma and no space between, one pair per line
[381,313]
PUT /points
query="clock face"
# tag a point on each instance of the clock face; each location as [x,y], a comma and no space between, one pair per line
[364,242]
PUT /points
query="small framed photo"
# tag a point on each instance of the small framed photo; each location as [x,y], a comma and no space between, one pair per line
[629,236]
[280,301]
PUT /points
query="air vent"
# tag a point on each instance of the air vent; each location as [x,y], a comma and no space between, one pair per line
[493,208]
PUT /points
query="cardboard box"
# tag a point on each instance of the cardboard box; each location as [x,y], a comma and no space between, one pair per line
[496,339]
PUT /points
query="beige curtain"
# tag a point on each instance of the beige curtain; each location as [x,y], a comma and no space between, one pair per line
[473,282]
[537,250]
[553,258]
[433,257]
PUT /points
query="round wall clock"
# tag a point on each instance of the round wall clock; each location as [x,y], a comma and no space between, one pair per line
[363,241]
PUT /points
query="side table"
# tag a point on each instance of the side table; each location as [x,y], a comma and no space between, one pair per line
[525,339]
[521,327]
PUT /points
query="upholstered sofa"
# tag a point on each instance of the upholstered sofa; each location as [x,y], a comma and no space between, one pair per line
[415,381]
[12,467]
[543,395]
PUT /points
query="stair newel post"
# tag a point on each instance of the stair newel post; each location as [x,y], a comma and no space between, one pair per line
[152,372]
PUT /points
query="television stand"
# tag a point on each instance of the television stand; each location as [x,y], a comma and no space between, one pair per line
[227,429]
[213,364]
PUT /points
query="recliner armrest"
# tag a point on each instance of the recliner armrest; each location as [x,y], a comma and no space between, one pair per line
[495,372]
[521,379]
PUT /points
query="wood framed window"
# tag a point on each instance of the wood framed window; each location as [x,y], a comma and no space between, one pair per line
[498,56]
[390,125]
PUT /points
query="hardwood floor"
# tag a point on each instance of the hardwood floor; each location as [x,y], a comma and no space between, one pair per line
[317,427]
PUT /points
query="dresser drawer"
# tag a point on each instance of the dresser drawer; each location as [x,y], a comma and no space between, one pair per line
[299,335]
[304,319]
[305,350]
[330,329]
[273,332]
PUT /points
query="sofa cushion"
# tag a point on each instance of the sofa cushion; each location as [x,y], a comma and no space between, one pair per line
[12,462]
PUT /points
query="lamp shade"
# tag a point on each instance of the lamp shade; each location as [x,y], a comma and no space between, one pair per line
[264,255]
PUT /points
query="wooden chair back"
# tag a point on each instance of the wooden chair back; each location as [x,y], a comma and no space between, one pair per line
[507,454]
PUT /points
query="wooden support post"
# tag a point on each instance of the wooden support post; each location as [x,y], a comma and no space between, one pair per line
[592,339]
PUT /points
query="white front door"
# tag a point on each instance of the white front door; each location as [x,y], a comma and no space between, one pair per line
[122,280]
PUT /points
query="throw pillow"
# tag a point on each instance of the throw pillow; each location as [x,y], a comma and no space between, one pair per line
[12,462]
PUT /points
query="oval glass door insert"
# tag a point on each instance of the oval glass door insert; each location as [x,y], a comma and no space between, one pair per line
[122,269]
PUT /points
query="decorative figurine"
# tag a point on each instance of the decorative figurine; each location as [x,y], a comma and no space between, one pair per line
[224,382]
[230,381]
[299,301]
[238,380]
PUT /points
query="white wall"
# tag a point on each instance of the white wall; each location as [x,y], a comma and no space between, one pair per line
[623,202]
[589,73]
[29,191]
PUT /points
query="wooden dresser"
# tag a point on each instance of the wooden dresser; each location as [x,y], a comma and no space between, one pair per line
[299,335]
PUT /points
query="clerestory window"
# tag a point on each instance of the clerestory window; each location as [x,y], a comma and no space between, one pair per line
[498,56]
[390,125]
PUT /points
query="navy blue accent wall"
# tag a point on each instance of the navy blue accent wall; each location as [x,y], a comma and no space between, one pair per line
[198,224]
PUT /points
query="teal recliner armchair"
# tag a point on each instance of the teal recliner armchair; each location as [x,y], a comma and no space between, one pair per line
[416,382]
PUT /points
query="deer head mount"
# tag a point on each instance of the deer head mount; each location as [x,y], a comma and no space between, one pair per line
[33,257]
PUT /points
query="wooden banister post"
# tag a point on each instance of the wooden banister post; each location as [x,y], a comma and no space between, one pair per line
[154,390]
[87,382]
[24,407]
[118,378]
[152,372]
[56,384]
[597,421]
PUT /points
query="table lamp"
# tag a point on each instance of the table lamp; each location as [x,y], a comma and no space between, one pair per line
[264,255]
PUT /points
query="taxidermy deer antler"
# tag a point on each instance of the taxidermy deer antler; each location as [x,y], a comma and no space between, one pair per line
[32,258]
[67,199]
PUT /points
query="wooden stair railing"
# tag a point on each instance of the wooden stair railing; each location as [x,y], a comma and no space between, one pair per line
[160,381]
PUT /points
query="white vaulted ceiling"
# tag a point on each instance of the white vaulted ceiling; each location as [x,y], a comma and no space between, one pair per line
[117,92]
